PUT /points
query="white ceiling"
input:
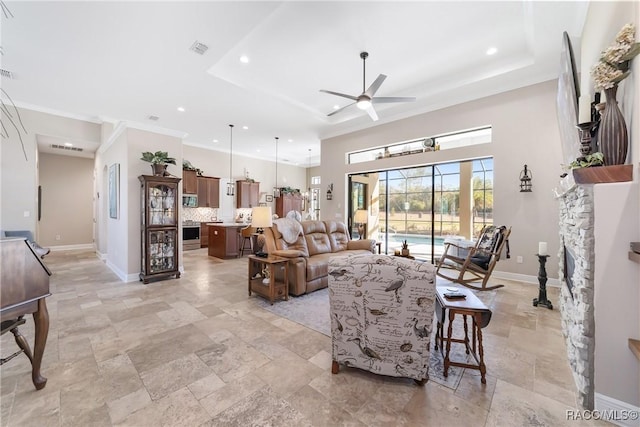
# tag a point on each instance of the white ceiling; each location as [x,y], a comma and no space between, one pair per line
[125,61]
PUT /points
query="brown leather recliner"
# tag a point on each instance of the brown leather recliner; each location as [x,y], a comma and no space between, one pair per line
[309,245]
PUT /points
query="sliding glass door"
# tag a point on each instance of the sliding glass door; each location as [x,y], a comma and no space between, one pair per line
[425,205]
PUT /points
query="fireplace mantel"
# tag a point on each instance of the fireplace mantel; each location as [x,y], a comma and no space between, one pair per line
[603,174]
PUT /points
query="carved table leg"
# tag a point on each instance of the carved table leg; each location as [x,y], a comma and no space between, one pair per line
[22,343]
[449,333]
[41,320]
[477,319]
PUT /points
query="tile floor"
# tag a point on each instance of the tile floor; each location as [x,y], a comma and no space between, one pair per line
[198,352]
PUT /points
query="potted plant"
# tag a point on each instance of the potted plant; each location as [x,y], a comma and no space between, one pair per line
[590,160]
[405,248]
[187,166]
[159,161]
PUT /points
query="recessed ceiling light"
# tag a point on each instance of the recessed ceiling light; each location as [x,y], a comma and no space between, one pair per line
[258,150]
[335,107]
[245,127]
[290,140]
[244,59]
[181,109]
[68,144]
[492,50]
[215,140]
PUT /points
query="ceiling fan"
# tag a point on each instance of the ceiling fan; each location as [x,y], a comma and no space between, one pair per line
[366,99]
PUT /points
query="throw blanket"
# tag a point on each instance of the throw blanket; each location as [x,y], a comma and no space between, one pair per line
[289,228]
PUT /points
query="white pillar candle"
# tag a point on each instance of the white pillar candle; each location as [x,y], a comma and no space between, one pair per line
[542,248]
[584,107]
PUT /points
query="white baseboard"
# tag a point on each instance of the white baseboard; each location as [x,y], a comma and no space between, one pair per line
[524,278]
[616,411]
[135,277]
[121,274]
[102,257]
[72,247]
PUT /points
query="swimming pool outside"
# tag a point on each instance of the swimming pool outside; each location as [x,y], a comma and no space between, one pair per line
[419,245]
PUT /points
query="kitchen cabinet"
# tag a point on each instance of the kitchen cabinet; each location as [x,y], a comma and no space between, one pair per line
[223,240]
[208,192]
[159,227]
[189,182]
[247,194]
[204,235]
[288,202]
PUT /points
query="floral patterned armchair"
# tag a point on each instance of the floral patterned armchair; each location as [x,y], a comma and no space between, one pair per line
[381,314]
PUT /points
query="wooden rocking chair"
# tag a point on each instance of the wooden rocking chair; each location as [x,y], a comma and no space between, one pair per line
[480,261]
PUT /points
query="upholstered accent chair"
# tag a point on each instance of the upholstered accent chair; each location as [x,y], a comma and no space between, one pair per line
[381,311]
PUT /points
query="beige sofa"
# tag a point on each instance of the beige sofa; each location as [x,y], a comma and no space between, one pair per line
[309,245]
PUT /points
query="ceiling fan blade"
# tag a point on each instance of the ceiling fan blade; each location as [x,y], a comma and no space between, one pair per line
[372,113]
[353,98]
[375,86]
[339,109]
[386,99]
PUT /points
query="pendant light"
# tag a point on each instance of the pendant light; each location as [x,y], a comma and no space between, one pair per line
[276,189]
[307,194]
[231,187]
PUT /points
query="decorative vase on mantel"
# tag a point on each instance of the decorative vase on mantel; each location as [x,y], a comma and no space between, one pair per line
[612,133]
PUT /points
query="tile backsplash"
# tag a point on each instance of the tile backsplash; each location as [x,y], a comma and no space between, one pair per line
[200,214]
[211,214]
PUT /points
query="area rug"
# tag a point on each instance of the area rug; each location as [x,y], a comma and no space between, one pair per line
[312,310]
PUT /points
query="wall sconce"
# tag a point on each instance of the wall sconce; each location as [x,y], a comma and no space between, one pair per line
[329,191]
[525,180]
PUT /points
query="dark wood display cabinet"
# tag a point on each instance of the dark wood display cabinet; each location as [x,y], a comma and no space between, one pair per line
[159,199]
[288,202]
[247,193]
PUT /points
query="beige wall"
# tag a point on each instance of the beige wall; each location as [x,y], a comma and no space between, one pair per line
[67,202]
[19,177]
[525,131]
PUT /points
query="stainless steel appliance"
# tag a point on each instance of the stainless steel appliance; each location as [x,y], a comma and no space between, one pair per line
[190,201]
[190,235]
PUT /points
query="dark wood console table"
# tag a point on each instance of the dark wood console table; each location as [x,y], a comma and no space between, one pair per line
[25,285]
[480,316]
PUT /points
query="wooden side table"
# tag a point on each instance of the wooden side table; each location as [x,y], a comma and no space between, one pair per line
[480,316]
[265,284]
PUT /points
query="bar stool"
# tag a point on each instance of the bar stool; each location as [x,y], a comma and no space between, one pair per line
[245,235]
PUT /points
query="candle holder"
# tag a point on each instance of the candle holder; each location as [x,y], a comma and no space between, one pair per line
[542,279]
[584,130]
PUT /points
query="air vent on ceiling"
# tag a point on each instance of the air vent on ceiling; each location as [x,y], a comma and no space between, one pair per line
[199,48]
[6,74]
[64,147]
[153,118]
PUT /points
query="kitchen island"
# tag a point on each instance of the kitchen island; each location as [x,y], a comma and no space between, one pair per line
[224,239]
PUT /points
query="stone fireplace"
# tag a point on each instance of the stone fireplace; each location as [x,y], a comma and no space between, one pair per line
[576,275]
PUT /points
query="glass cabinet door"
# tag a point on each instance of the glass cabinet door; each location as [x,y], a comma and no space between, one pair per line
[162,250]
[162,206]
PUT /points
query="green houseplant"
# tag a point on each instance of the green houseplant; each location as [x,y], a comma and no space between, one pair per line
[159,161]
[590,160]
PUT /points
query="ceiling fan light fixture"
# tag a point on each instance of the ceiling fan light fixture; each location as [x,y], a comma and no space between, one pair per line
[363,104]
